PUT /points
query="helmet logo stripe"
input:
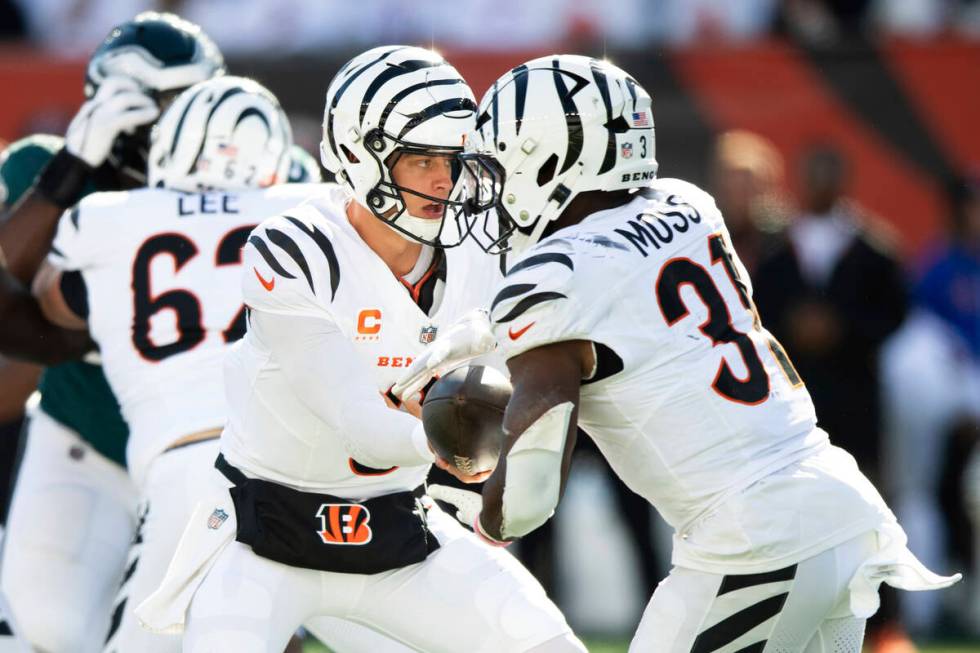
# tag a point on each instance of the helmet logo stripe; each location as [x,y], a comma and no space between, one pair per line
[438,109]
[393,71]
[180,123]
[610,157]
[402,94]
[204,139]
[573,121]
[344,87]
[520,96]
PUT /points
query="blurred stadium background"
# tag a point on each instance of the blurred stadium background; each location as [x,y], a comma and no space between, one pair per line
[863,111]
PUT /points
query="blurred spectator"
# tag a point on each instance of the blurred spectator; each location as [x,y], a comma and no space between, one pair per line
[747,177]
[821,22]
[935,359]
[71,27]
[11,21]
[708,21]
[832,293]
[914,18]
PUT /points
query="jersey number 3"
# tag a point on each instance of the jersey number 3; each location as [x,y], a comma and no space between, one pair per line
[753,388]
[184,303]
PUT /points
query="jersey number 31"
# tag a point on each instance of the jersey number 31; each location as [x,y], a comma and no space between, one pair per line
[754,388]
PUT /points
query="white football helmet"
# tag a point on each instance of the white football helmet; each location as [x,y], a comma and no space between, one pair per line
[390,101]
[546,131]
[224,133]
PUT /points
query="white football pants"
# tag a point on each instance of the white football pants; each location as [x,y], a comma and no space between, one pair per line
[71,522]
[803,608]
[175,481]
[466,596]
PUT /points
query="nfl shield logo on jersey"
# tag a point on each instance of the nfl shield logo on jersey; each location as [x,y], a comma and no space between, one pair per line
[627,150]
[427,334]
[217,518]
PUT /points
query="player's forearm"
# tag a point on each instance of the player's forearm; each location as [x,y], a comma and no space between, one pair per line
[25,237]
[18,380]
[25,334]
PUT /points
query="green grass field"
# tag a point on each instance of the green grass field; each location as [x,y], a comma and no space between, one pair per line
[611,646]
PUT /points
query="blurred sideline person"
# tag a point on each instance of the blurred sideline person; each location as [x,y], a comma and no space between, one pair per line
[61,588]
[935,357]
[625,311]
[747,179]
[833,291]
[327,502]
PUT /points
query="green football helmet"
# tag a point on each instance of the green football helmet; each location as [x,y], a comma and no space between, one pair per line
[164,54]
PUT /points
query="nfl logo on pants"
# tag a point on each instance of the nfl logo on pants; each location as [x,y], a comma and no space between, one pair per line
[217,518]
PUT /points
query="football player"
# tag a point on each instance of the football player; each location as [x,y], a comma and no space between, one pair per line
[625,311]
[61,587]
[326,500]
[175,270]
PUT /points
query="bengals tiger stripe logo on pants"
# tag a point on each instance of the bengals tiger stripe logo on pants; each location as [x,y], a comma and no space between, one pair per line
[344,523]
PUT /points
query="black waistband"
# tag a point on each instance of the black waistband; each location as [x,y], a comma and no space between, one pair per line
[237,477]
[321,531]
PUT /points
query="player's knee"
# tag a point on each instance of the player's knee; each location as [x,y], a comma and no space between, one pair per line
[54,627]
[567,643]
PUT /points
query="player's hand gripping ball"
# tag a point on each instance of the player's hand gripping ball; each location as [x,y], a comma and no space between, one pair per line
[463,415]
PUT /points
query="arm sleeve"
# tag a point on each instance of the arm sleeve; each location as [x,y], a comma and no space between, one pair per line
[326,375]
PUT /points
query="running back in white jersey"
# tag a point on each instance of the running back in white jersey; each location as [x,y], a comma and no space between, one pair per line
[162,271]
[692,400]
[310,262]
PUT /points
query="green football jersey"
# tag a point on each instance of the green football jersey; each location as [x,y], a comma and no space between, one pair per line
[75,394]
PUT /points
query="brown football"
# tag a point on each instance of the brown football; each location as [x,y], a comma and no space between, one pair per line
[463,415]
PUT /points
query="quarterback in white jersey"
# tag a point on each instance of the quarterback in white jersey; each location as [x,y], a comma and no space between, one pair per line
[327,502]
[154,276]
[633,318]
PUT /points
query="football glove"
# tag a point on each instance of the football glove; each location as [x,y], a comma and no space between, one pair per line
[466,339]
[467,505]
[464,505]
[118,106]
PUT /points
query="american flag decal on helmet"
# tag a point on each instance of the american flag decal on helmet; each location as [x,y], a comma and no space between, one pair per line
[641,119]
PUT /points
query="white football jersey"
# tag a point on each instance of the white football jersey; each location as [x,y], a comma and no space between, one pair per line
[311,262]
[162,271]
[693,403]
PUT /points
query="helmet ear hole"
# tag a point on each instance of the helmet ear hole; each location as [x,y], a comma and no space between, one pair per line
[350,155]
[547,170]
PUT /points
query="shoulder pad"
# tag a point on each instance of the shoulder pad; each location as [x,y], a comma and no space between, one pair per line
[535,303]
[297,248]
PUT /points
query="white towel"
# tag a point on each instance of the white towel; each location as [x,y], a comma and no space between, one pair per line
[211,528]
[895,565]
